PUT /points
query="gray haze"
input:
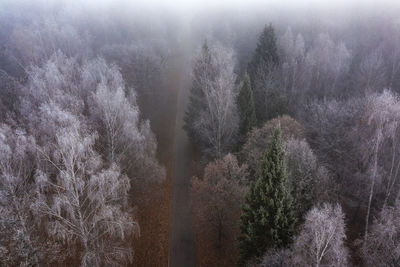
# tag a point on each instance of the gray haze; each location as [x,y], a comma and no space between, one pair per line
[131,132]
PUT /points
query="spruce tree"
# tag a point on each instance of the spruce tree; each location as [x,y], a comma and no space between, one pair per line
[267,219]
[268,100]
[247,114]
[266,54]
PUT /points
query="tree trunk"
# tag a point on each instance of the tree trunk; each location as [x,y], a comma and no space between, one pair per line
[372,185]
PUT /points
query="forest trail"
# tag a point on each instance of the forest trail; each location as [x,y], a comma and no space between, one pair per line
[182,246]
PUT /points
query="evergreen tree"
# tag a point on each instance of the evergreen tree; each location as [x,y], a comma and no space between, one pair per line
[247,114]
[269,100]
[267,219]
[266,54]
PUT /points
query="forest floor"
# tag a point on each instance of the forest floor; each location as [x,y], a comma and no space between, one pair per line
[154,215]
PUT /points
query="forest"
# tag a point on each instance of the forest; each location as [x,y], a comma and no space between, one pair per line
[199,133]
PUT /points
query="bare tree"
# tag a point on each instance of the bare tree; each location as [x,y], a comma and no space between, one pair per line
[274,258]
[129,139]
[10,89]
[270,98]
[17,162]
[357,140]
[309,181]
[391,53]
[95,92]
[381,246]
[217,198]
[372,76]
[294,75]
[141,64]
[216,122]
[340,64]
[36,42]
[380,123]
[329,125]
[83,204]
[328,62]
[321,240]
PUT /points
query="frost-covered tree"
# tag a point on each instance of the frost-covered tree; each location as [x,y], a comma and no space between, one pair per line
[96,93]
[372,76]
[141,64]
[129,140]
[211,119]
[381,246]
[274,258]
[9,92]
[259,138]
[379,125]
[303,175]
[330,124]
[328,61]
[83,204]
[19,242]
[294,76]
[356,139]
[321,239]
[217,198]
[202,69]
[36,42]
[391,54]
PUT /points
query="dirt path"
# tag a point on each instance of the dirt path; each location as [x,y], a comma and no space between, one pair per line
[182,248]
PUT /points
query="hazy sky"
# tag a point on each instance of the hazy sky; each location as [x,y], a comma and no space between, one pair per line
[193,6]
[200,4]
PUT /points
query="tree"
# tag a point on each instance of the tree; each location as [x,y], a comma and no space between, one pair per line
[253,150]
[381,246]
[356,138]
[247,115]
[275,258]
[269,101]
[129,140]
[330,124]
[391,55]
[95,92]
[217,198]
[328,62]
[302,167]
[202,68]
[266,53]
[267,219]
[9,92]
[141,64]
[211,118]
[379,125]
[36,42]
[321,240]
[372,76]
[294,76]
[83,204]
[18,237]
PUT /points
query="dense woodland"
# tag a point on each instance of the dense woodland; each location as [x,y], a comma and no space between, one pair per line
[293,114]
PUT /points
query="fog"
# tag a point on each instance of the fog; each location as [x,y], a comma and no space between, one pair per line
[199,133]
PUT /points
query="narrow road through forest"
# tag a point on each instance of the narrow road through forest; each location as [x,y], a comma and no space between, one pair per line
[182,248]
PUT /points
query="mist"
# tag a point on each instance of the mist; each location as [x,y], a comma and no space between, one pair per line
[199,133]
